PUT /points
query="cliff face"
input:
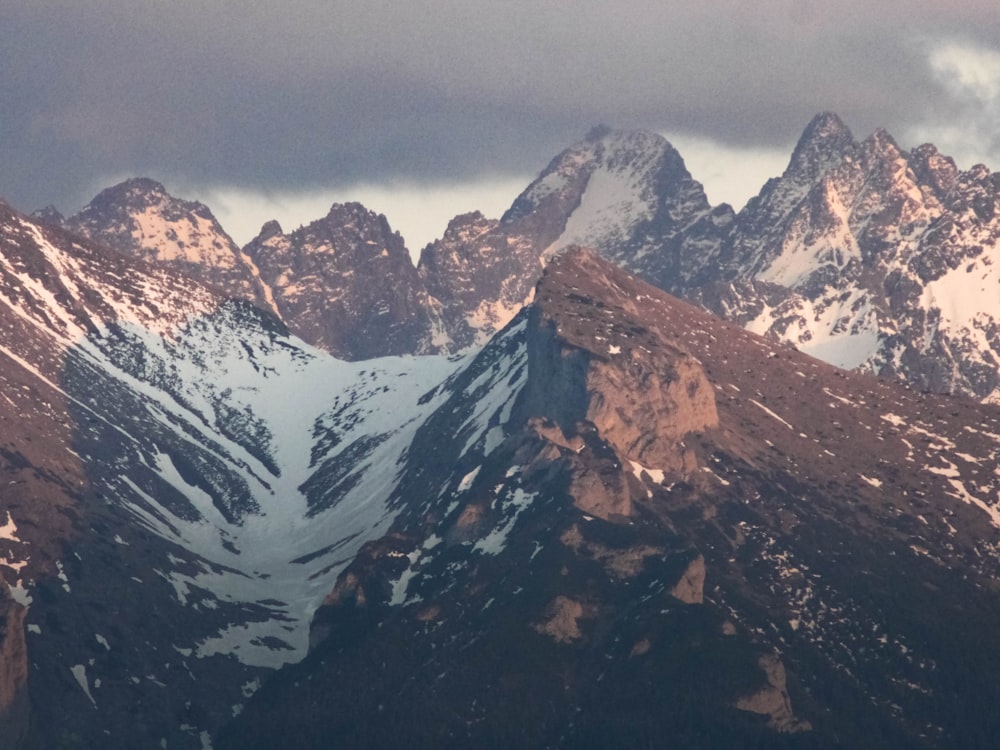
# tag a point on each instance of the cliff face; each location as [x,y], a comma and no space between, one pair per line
[596,370]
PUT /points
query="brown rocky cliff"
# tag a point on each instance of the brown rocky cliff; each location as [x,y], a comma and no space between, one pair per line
[690,589]
[601,375]
[772,699]
[14,706]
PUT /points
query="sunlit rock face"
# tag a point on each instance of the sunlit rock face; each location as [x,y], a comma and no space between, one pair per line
[346,283]
[139,217]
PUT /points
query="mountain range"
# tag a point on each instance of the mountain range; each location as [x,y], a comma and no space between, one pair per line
[305,493]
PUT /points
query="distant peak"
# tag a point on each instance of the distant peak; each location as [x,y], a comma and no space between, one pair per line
[598,132]
[472,217]
[340,212]
[639,140]
[824,142]
[270,229]
[463,222]
[348,207]
[826,125]
[133,191]
[139,186]
[934,168]
[49,215]
[926,151]
[881,142]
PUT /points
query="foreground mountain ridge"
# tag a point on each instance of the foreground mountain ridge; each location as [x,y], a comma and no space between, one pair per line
[630,505]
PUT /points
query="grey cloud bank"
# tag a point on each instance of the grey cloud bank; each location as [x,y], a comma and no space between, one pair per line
[325,95]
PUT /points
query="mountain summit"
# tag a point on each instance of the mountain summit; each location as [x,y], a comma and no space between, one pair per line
[627,194]
[139,217]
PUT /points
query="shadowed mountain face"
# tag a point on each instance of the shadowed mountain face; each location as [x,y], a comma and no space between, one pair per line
[630,521]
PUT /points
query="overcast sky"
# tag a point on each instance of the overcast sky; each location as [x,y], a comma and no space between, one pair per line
[423,109]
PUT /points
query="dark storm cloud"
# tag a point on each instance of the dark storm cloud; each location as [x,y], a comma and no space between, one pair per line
[310,93]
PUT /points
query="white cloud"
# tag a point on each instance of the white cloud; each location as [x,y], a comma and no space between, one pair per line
[970,71]
[419,213]
[966,124]
[730,174]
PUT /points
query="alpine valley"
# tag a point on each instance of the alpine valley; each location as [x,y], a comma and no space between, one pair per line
[619,469]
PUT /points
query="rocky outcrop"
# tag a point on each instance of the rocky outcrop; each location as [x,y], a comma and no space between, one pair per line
[690,589]
[561,620]
[346,283]
[622,563]
[596,371]
[15,710]
[772,699]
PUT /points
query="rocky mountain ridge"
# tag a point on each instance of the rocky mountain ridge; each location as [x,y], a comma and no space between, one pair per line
[626,504]
[875,259]
[346,283]
[863,254]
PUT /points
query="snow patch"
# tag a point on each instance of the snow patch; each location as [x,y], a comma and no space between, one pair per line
[80,675]
[877,483]
[656,475]
[468,479]
[770,413]
[495,542]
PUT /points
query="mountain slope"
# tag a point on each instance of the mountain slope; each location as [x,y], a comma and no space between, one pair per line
[630,523]
[184,483]
[618,504]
